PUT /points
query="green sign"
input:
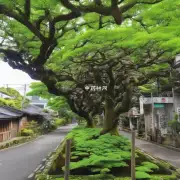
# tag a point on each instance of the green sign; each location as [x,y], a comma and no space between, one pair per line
[158,105]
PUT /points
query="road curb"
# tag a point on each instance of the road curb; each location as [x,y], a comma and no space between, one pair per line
[43,163]
[18,145]
[21,144]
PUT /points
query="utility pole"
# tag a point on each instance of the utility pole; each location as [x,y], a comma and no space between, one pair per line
[158,86]
[172,91]
[153,131]
[24,97]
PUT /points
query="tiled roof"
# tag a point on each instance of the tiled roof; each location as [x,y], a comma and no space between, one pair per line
[7,112]
[5,116]
[34,110]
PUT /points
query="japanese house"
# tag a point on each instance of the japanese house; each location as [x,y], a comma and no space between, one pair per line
[13,120]
[9,122]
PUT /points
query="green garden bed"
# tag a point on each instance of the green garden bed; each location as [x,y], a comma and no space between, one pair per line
[109,177]
[104,157]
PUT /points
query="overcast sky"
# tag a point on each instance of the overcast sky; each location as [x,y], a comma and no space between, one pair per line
[11,76]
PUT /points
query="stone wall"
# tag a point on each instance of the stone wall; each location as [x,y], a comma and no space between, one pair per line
[172,140]
[161,117]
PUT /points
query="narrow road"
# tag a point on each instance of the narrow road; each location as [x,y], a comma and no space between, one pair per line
[19,162]
[163,153]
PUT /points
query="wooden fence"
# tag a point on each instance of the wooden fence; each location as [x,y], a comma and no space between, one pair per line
[5,136]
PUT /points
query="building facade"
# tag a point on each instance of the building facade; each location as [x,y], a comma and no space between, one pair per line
[37,101]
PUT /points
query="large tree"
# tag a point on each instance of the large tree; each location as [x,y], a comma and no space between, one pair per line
[47,26]
[123,62]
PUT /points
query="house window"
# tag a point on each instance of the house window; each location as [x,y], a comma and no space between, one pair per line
[35,97]
[40,105]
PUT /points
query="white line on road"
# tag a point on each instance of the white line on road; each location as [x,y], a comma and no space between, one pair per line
[38,167]
[31,175]
[44,160]
[57,147]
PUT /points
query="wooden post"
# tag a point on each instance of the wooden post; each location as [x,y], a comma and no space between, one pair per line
[2,136]
[67,160]
[11,130]
[133,163]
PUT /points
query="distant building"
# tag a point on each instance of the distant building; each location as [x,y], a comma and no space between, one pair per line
[157,112]
[13,120]
[38,101]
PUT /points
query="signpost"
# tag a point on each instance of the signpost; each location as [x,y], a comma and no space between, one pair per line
[141,105]
[67,160]
[133,163]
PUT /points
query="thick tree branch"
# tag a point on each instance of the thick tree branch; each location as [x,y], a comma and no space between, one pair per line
[27,8]
[126,102]
[114,3]
[132,3]
[24,21]
[65,17]
[98,2]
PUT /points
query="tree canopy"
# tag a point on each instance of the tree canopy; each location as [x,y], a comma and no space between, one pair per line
[15,99]
[71,44]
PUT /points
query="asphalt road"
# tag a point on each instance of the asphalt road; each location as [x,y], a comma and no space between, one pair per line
[163,153]
[19,162]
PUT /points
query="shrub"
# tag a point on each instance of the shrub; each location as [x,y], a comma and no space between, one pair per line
[34,126]
[175,124]
[107,155]
[27,132]
[48,126]
[53,126]
[101,152]
[142,175]
[150,165]
[60,122]
[143,169]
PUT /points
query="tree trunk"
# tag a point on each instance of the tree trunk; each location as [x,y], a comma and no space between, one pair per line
[110,124]
[90,123]
[100,121]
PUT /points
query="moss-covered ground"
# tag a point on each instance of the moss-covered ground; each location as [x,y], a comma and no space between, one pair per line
[107,157]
